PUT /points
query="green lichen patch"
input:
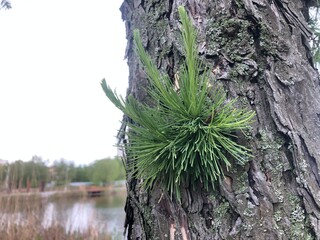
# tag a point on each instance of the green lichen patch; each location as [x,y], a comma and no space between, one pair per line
[230,34]
[219,215]
[291,219]
[240,182]
[269,144]
[267,42]
[278,215]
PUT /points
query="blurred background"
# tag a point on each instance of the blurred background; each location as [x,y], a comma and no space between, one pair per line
[59,166]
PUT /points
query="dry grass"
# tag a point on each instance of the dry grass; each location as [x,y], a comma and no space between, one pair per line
[37,232]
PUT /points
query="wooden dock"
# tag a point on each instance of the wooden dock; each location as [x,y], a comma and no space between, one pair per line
[95,191]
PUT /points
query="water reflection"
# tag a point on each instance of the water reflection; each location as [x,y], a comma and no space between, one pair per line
[97,215]
[79,217]
[50,215]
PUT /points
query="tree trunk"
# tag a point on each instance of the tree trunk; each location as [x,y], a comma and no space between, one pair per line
[258,50]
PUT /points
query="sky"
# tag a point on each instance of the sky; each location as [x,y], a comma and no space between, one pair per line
[53,56]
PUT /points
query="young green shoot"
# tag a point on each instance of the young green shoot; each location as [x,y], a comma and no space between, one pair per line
[187,135]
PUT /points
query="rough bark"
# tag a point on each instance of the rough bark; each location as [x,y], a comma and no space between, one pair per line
[258,51]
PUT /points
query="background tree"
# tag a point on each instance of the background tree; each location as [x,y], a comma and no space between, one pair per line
[3,174]
[63,171]
[82,174]
[106,171]
[258,51]
[5,4]
[315,39]
[40,173]
[16,174]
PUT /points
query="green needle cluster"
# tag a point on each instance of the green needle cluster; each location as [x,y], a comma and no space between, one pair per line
[188,134]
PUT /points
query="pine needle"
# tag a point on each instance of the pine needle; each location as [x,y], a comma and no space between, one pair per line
[188,136]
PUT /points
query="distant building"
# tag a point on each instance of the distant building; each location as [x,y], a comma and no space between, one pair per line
[80,184]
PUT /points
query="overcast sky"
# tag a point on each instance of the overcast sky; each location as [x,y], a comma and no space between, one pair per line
[53,55]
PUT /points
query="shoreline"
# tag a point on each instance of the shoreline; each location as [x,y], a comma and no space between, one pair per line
[62,192]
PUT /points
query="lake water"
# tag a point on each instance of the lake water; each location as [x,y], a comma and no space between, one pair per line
[103,214]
